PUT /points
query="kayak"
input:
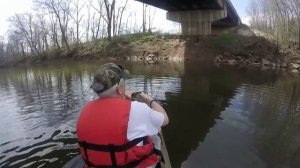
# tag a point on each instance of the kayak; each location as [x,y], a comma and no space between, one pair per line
[77,161]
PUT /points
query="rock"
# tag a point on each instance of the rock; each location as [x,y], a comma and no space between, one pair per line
[151,62]
[273,64]
[231,62]
[155,58]
[294,71]
[297,61]
[134,58]
[265,68]
[247,62]
[238,57]
[265,62]
[150,57]
[295,66]
[256,64]
[226,54]
[284,65]
[219,58]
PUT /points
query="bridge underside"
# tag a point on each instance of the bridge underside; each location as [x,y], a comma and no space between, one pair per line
[197,17]
[181,5]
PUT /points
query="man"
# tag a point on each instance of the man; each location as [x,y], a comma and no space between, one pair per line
[114,131]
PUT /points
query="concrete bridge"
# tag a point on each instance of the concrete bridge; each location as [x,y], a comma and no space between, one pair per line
[199,17]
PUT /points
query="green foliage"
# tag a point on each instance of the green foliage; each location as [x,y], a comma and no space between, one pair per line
[149,38]
[118,46]
[135,37]
[225,40]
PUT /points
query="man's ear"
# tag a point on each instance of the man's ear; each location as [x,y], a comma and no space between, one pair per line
[121,90]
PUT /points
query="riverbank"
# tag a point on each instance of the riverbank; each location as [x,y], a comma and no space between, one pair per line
[148,48]
[240,47]
[252,48]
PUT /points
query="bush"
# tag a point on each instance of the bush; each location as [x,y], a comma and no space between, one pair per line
[226,40]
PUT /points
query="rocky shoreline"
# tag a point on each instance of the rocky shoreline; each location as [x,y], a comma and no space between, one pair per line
[152,58]
[250,60]
[239,48]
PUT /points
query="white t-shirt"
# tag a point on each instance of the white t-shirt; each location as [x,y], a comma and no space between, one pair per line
[143,121]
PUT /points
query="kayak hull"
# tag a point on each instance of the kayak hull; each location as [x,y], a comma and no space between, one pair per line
[76,162]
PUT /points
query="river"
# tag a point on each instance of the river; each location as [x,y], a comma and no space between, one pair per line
[219,117]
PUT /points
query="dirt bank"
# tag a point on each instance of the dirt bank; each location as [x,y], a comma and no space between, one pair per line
[149,48]
[239,46]
[244,47]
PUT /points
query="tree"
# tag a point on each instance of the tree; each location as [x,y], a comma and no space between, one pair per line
[26,29]
[144,17]
[77,19]
[96,20]
[109,7]
[296,8]
[117,26]
[1,50]
[280,18]
[61,10]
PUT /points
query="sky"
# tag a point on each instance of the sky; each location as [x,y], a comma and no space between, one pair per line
[241,7]
[10,7]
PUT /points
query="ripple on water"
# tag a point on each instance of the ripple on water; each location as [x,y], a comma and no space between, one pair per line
[155,86]
[41,151]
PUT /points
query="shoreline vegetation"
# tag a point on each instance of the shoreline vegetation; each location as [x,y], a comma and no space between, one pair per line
[239,47]
[147,47]
[77,30]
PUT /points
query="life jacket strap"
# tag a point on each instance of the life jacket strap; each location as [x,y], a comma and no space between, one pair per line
[112,149]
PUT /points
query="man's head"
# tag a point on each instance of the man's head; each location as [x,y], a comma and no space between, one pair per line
[109,80]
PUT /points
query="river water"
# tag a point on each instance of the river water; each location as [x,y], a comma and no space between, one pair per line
[219,117]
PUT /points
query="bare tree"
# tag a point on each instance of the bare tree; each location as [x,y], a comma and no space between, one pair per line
[96,19]
[150,18]
[109,7]
[144,17]
[77,19]
[54,32]
[296,7]
[121,10]
[1,50]
[280,18]
[60,9]
[87,28]
[28,30]
[44,32]
[15,46]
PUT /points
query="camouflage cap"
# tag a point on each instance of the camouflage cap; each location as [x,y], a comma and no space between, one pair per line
[107,76]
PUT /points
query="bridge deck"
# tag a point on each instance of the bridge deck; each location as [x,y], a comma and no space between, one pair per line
[232,18]
[180,5]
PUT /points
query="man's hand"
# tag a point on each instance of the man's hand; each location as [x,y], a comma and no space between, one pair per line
[145,98]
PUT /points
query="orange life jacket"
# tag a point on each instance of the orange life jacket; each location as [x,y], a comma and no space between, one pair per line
[102,136]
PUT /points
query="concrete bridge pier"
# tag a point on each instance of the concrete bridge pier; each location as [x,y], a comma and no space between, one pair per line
[196,22]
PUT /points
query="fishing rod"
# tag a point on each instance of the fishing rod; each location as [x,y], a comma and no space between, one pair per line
[135,96]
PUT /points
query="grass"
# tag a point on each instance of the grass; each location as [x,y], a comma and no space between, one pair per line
[119,46]
[226,40]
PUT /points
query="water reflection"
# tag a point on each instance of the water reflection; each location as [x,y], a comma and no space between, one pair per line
[40,120]
[256,124]
[40,106]
[220,117]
